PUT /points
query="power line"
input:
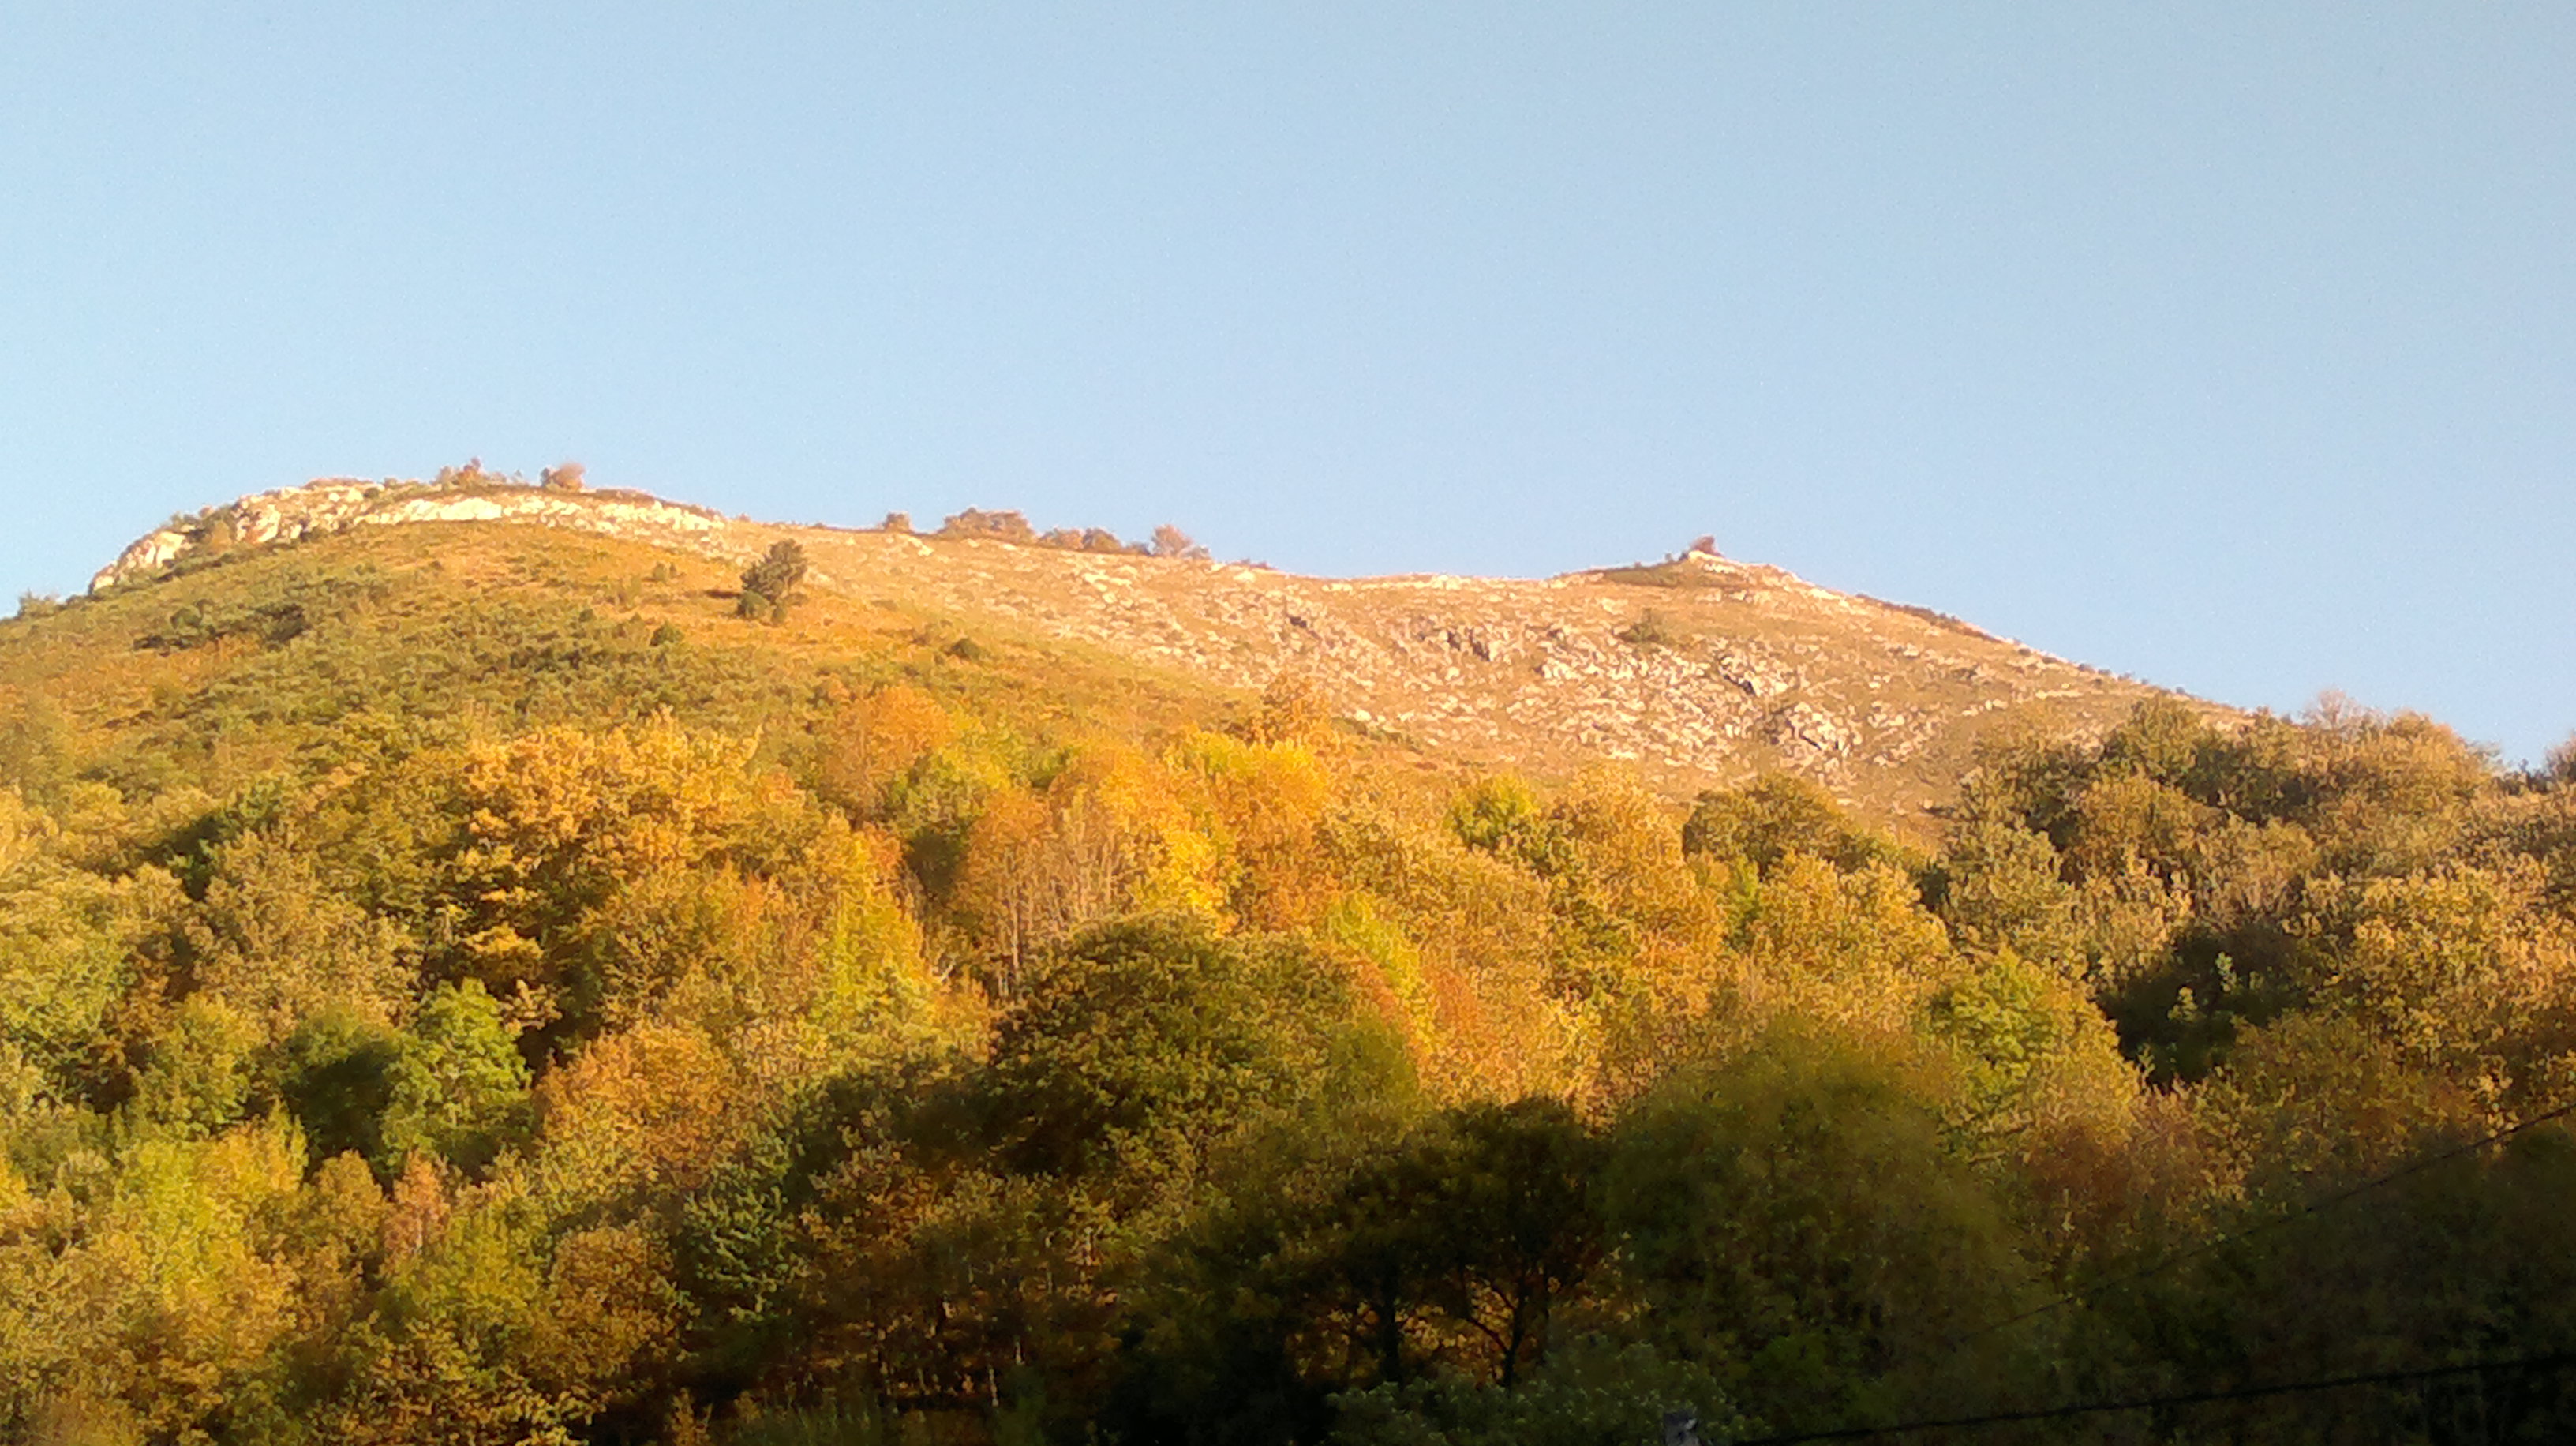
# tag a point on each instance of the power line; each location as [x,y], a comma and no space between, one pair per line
[2313,1207]
[2554,1360]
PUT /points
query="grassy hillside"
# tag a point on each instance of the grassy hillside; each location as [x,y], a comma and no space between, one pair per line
[468,981]
[1695,672]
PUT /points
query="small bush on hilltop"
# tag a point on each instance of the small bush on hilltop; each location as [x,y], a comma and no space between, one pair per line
[1087,539]
[1170,541]
[998,526]
[1003,526]
[469,475]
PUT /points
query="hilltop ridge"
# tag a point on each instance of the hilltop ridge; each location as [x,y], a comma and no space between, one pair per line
[329,505]
[1699,670]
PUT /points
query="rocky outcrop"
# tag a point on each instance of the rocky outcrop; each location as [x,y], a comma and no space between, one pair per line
[335,504]
[1698,671]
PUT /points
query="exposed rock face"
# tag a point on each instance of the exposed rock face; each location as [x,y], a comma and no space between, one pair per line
[1751,669]
[1745,668]
[1812,735]
[334,504]
[1698,671]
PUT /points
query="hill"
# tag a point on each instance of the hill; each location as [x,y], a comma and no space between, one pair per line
[502,965]
[1697,672]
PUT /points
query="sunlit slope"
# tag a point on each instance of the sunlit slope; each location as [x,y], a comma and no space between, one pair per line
[273,656]
[1699,671]
[1696,672]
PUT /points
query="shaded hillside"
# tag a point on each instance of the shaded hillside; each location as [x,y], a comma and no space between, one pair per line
[1698,672]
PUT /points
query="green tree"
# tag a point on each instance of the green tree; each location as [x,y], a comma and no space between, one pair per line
[769,585]
[1146,1043]
[1512,1231]
[1795,1217]
[1777,815]
[198,1080]
[1350,1253]
[456,1089]
[336,1077]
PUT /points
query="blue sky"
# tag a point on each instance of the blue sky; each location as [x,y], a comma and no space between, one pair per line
[2233,347]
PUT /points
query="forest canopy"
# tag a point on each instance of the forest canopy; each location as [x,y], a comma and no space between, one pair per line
[431,1013]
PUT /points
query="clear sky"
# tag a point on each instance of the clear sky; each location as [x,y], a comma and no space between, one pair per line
[2231,346]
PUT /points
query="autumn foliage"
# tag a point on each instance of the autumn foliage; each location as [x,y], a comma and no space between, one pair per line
[555,1029]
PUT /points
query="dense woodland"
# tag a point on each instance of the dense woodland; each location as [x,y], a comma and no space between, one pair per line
[558,1009]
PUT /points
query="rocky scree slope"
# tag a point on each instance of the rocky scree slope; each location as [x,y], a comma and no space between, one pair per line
[1697,671]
